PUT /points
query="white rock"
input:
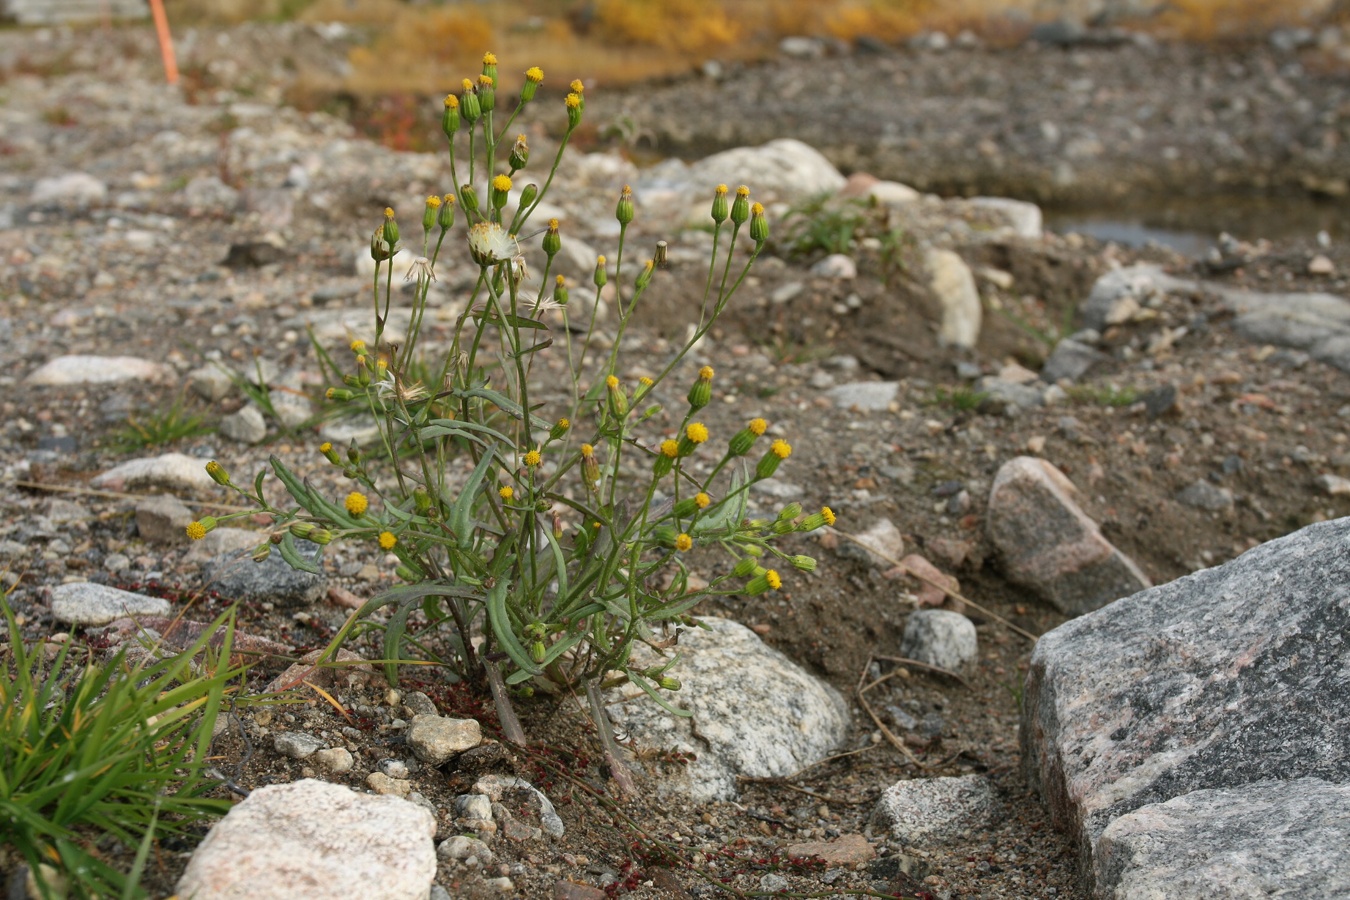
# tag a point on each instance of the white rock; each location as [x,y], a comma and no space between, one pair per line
[84,603]
[436,739]
[337,760]
[66,370]
[247,426]
[755,713]
[838,266]
[74,189]
[868,396]
[170,472]
[927,811]
[940,638]
[314,839]
[1024,218]
[954,288]
[786,170]
[893,193]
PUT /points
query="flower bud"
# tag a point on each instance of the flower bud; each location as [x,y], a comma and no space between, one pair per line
[573,104]
[694,434]
[261,552]
[559,429]
[429,213]
[527,195]
[686,508]
[321,536]
[618,399]
[644,386]
[601,276]
[352,380]
[329,453]
[406,573]
[740,207]
[552,240]
[662,255]
[560,294]
[490,65]
[759,226]
[217,473]
[520,153]
[469,107]
[487,93]
[665,459]
[818,520]
[468,198]
[764,581]
[669,682]
[339,394]
[701,393]
[783,526]
[645,276]
[446,217]
[534,76]
[746,566]
[390,227]
[501,189]
[450,117]
[768,464]
[421,499]
[302,529]
[380,249]
[803,563]
[590,467]
[789,512]
[537,651]
[624,211]
[719,204]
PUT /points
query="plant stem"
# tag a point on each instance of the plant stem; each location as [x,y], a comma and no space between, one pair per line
[506,713]
[623,778]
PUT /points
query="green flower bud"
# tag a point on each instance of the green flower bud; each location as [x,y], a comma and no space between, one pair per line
[601,276]
[818,520]
[527,195]
[534,76]
[764,581]
[669,682]
[552,241]
[746,566]
[560,293]
[446,217]
[468,198]
[501,189]
[429,212]
[520,153]
[701,393]
[469,107]
[645,276]
[339,394]
[261,552]
[759,225]
[662,466]
[321,536]
[390,227]
[783,526]
[573,104]
[617,399]
[351,380]
[329,453]
[490,65]
[421,500]
[302,529]
[789,512]
[740,207]
[686,508]
[590,467]
[537,651]
[217,473]
[380,249]
[450,117]
[719,204]
[768,464]
[804,563]
[624,212]
[559,429]
[487,93]
[406,573]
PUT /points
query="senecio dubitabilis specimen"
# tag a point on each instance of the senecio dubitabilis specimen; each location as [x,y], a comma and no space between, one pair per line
[534,548]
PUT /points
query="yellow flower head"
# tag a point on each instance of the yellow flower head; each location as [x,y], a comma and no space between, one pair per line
[599,261]
[358,347]
[564,423]
[756,209]
[706,373]
[781,449]
[532,458]
[467,84]
[573,101]
[387,540]
[489,58]
[701,500]
[827,514]
[325,447]
[743,191]
[553,226]
[534,74]
[645,381]
[758,427]
[774,580]
[683,542]
[720,190]
[506,492]
[357,503]
[696,432]
[196,530]
[587,450]
[611,382]
[434,202]
[670,448]
[451,101]
[577,86]
[501,183]
[485,81]
[388,212]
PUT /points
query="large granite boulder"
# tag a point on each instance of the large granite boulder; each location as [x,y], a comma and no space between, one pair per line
[1201,689]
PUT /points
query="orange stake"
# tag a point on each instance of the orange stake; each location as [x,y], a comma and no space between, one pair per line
[165,41]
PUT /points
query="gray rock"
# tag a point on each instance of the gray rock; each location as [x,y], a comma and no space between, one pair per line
[67,370]
[73,190]
[881,545]
[473,806]
[364,430]
[497,787]
[208,195]
[838,266]
[1008,396]
[246,426]
[314,839]
[210,383]
[223,539]
[868,396]
[953,286]
[1334,485]
[940,638]
[1050,545]
[1160,401]
[1272,838]
[163,519]
[171,472]
[1071,360]
[437,739]
[1023,218]
[1119,294]
[754,712]
[1227,677]
[785,169]
[927,811]
[296,744]
[236,576]
[892,193]
[462,847]
[1205,495]
[799,47]
[337,760]
[83,603]
[293,409]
